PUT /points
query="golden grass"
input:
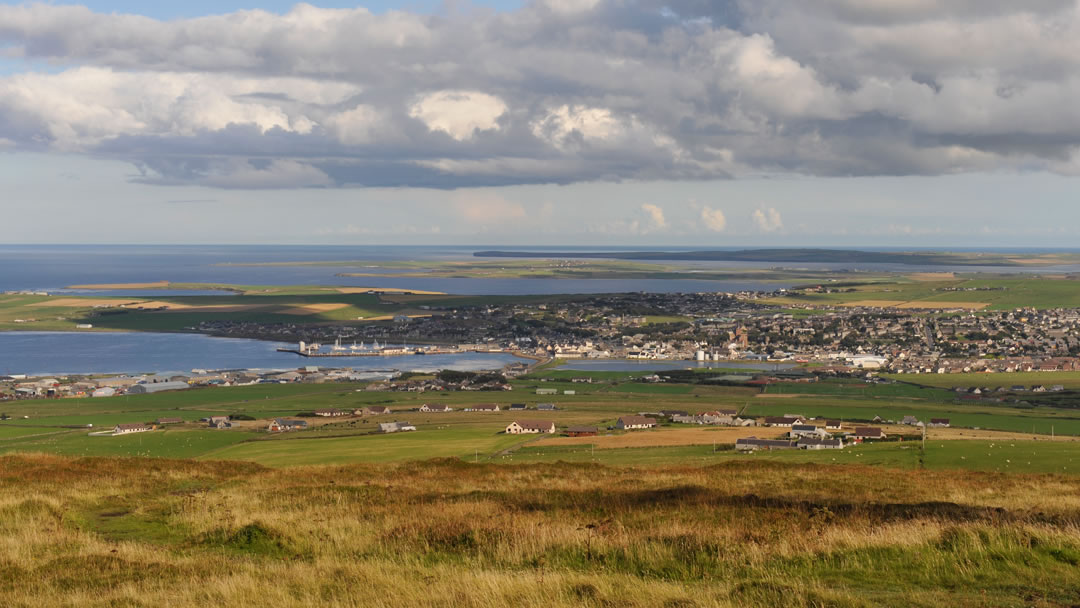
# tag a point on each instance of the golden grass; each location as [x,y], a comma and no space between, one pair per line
[314,309]
[951,433]
[666,437]
[875,303]
[926,304]
[126,532]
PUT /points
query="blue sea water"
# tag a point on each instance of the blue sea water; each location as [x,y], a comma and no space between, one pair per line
[62,353]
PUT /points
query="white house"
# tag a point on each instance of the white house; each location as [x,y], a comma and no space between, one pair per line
[525,427]
[634,422]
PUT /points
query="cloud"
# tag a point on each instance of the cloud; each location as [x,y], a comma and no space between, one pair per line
[767,220]
[713,219]
[656,215]
[558,91]
[485,208]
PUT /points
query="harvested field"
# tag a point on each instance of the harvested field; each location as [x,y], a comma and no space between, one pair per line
[665,437]
[984,435]
[782,395]
[156,304]
[156,285]
[314,309]
[932,276]
[875,303]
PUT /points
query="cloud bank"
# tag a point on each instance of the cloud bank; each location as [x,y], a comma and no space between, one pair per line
[555,92]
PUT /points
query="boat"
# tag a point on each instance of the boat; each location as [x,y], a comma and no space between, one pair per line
[337,345]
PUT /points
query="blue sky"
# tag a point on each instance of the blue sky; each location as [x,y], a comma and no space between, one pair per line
[565,122]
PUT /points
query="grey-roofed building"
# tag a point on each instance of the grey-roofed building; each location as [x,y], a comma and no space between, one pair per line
[146,389]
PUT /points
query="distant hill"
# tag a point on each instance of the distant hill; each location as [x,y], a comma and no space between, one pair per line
[836,256]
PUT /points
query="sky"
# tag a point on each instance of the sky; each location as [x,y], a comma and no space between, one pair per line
[543,122]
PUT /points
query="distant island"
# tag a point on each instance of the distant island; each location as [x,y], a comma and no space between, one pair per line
[835,256]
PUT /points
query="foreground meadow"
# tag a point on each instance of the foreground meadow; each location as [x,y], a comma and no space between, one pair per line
[156,532]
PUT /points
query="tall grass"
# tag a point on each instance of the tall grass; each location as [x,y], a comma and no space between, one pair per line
[140,532]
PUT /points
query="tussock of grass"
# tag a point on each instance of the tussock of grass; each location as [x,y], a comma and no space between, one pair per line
[137,532]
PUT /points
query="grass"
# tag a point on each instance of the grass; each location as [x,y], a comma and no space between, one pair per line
[992,380]
[757,532]
[1003,292]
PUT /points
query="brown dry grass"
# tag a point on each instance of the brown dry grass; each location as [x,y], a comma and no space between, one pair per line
[120,532]
[874,303]
[950,433]
[207,308]
[666,437]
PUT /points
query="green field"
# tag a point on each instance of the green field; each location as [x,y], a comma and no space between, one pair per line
[1070,380]
[470,435]
[1003,292]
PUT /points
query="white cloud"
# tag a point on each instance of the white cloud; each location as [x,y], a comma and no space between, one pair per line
[275,175]
[656,215]
[713,219]
[459,114]
[481,208]
[767,220]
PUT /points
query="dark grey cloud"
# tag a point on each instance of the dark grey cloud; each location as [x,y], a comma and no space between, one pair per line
[559,91]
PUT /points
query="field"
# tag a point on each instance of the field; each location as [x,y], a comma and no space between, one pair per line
[102,532]
[974,292]
[59,426]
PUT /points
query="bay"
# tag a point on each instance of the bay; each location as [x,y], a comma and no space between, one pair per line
[65,353]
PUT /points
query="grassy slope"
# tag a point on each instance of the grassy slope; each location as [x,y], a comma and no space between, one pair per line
[1034,292]
[118,532]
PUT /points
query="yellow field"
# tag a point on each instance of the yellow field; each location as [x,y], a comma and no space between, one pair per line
[932,276]
[875,303]
[984,435]
[314,309]
[665,437]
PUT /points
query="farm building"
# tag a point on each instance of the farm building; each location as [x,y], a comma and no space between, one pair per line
[808,430]
[329,412]
[220,422]
[376,410]
[524,427]
[750,444]
[939,422]
[634,422]
[483,407]
[546,407]
[813,443]
[395,427]
[435,408]
[518,407]
[782,421]
[134,427]
[105,391]
[581,431]
[868,432]
[145,389]
[282,425]
[547,391]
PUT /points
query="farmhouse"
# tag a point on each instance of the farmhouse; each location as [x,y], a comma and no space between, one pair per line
[518,407]
[868,432]
[546,407]
[832,425]
[782,421]
[134,427]
[376,410]
[329,412]
[812,443]
[939,422]
[547,391]
[220,422]
[525,427]
[910,421]
[395,427]
[581,431]
[750,444]
[483,407]
[282,425]
[435,408]
[808,430]
[635,422]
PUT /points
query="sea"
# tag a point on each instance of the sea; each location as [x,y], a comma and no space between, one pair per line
[54,268]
